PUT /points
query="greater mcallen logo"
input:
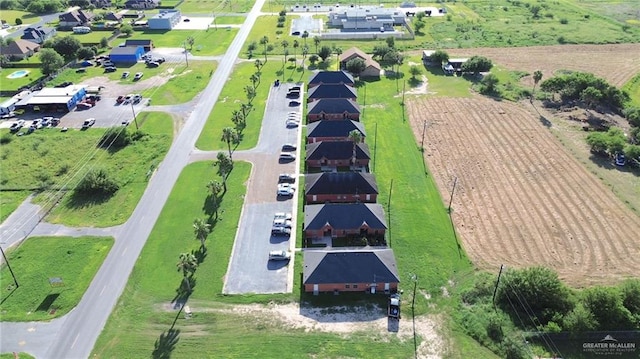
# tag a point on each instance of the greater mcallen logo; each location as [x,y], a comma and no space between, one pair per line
[609,346]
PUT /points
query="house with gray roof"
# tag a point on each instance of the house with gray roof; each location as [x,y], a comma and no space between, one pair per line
[333,109]
[38,34]
[332,91]
[331,156]
[363,18]
[344,220]
[369,270]
[340,187]
[333,130]
[331,77]
[20,49]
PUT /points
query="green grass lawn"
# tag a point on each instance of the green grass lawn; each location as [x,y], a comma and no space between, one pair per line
[94,37]
[230,99]
[9,201]
[185,83]
[230,20]
[20,356]
[31,156]
[210,42]
[633,88]
[214,6]
[10,17]
[36,261]
[8,84]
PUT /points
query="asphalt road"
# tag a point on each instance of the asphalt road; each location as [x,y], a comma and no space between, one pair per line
[76,333]
[250,270]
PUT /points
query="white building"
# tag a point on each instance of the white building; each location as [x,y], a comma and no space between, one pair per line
[165,20]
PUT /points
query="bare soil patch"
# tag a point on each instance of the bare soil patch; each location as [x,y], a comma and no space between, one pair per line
[522,199]
[617,63]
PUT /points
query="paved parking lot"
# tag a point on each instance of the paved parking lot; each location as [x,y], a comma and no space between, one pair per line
[249,270]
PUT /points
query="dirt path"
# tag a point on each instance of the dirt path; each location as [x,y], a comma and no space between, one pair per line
[522,199]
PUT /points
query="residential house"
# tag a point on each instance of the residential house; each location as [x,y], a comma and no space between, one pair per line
[331,77]
[453,66]
[100,4]
[38,34]
[116,17]
[372,67]
[141,4]
[340,187]
[365,18]
[19,49]
[329,156]
[165,20]
[332,91]
[427,58]
[333,130]
[333,109]
[75,18]
[341,220]
[350,270]
[147,45]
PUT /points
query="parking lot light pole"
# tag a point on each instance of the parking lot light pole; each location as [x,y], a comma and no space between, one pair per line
[135,120]
[15,281]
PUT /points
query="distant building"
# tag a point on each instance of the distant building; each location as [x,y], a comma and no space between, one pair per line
[111,16]
[75,18]
[367,18]
[38,34]
[165,20]
[147,45]
[141,4]
[19,48]
[372,67]
[53,99]
[130,54]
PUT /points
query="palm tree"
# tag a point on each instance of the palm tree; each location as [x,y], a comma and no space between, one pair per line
[187,264]
[537,76]
[304,36]
[229,135]
[264,41]
[316,41]
[338,52]
[201,229]
[356,137]
[225,166]
[215,188]
[305,52]
[296,44]
[255,80]
[258,65]
[190,41]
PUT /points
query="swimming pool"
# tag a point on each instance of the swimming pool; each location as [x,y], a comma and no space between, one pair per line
[18,74]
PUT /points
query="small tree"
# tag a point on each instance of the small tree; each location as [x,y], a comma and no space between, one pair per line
[264,41]
[126,29]
[325,52]
[18,21]
[201,230]
[356,66]
[224,164]
[191,41]
[187,264]
[418,25]
[50,61]
[477,64]
[391,42]
[489,83]
[440,57]
[104,42]
[415,71]
[305,35]
[313,59]
[215,188]
[229,135]
[86,53]
[537,76]
[97,182]
[316,41]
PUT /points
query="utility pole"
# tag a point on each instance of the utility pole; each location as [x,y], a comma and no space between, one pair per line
[135,120]
[186,54]
[424,129]
[389,211]
[495,290]
[8,266]
[455,181]
[364,103]
[375,146]
[414,277]
[404,83]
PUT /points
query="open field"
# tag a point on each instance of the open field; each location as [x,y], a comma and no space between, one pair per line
[10,17]
[206,43]
[14,84]
[36,262]
[93,37]
[521,198]
[217,6]
[184,83]
[621,59]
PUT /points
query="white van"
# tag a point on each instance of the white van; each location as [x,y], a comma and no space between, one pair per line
[81,29]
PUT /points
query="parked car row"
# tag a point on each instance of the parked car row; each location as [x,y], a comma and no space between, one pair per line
[36,124]
[130,98]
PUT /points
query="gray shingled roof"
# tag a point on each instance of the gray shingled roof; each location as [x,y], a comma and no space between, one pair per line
[336,150]
[332,91]
[331,77]
[344,216]
[333,105]
[328,128]
[340,183]
[350,266]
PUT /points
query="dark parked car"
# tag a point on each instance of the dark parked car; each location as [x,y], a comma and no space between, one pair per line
[289,147]
[64,84]
[110,69]
[286,177]
[280,231]
[293,94]
[152,64]
[294,103]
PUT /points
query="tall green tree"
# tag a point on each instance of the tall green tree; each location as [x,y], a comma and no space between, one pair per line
[224,164]
[356,66]
[191,41]
[50,61]
[477,64]
[338,51]
[316,42]
[356,137]
[296,44]
[415,71]
[67,47]
[264,41]
[201,230]
[325,52]
[305,35]
[229,135]
[187,264]
[537,76]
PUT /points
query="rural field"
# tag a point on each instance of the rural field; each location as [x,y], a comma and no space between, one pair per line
[521,197]
[617,63]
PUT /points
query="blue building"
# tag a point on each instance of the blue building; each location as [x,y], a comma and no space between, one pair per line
[53,99]
[126,54]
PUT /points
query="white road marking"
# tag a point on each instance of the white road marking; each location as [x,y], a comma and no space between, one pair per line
[102,291]
[75,340]
[124,251]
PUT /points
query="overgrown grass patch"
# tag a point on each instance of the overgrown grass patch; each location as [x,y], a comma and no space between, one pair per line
[14,84]
[10,17]
[38,260]
[93,37]
[9,201]
[633,88]
[184,83]
[215,6]
[229,20]
[206,42]
[20,355]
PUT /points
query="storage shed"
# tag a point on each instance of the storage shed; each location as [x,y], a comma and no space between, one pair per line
[119,55]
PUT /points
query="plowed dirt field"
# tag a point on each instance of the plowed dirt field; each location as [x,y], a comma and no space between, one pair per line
[521,198]
[617,63]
